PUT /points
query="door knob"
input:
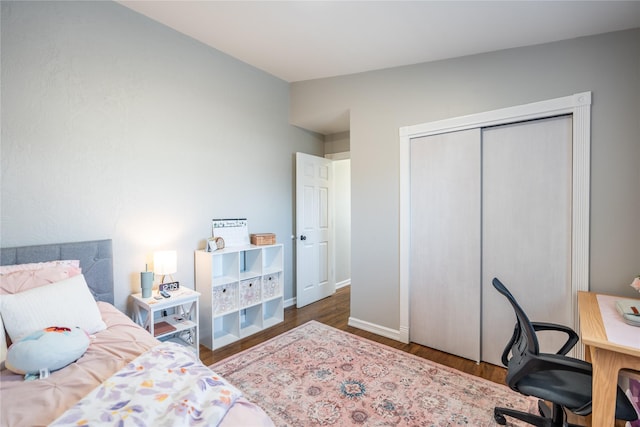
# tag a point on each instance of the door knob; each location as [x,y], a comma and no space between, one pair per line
[303,237]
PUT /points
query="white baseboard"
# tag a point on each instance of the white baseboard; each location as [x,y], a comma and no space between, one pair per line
[343,283]
[376,329]
[398,335]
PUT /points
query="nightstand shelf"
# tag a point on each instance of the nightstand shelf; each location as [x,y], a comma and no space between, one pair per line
[170,319]
[177,322]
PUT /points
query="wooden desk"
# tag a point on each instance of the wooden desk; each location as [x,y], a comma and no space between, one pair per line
[607,354]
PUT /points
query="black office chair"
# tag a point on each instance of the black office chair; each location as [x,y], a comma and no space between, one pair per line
[563,381]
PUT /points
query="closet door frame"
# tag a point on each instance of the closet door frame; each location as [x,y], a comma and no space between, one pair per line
[579,106]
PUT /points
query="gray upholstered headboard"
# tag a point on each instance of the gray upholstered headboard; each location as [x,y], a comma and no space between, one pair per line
[96,261]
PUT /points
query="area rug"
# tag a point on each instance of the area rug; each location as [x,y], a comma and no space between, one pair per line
[318,375]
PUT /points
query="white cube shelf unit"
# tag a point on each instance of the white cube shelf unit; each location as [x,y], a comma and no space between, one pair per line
[241,292]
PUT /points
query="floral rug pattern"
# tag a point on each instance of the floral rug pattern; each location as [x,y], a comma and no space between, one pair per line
[316,375]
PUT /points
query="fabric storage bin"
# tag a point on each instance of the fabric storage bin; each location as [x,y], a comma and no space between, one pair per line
[250,292]
[271,286]
[225,298]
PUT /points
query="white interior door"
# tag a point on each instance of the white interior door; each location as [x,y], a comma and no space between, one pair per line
[445,242]
[315,276]
[526,237]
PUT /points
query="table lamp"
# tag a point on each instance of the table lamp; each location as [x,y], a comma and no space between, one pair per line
[165,263]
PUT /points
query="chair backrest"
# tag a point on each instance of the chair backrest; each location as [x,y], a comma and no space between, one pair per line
[523,345]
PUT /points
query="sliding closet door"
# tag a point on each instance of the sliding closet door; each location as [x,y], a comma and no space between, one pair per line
[526,227]
[445,242]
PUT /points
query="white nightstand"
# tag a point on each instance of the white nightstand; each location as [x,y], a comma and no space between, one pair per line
[170,319]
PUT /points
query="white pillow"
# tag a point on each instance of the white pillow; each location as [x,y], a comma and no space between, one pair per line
[65,303]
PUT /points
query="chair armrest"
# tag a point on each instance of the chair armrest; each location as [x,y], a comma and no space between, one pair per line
[572,336]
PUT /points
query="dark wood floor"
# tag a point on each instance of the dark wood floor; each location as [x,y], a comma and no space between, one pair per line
[334,311]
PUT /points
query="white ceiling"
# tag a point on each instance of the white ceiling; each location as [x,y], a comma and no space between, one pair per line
[303,40]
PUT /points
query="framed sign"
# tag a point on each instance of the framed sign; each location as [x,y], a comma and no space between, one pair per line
[234,231]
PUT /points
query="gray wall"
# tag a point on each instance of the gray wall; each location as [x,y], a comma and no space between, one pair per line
[381,102]
[336,143]
[114,126]
[336,147]
[342,221]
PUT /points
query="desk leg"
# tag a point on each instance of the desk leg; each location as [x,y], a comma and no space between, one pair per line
[587,358]
[606,366]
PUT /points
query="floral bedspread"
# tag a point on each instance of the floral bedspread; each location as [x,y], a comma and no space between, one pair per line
[165,386]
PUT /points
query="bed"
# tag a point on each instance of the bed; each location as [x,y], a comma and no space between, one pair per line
[114,359]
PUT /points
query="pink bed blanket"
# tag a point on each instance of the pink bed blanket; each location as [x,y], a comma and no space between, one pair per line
[165,386]
[40,402]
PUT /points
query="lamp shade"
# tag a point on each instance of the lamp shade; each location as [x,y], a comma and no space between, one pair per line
[165,262]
